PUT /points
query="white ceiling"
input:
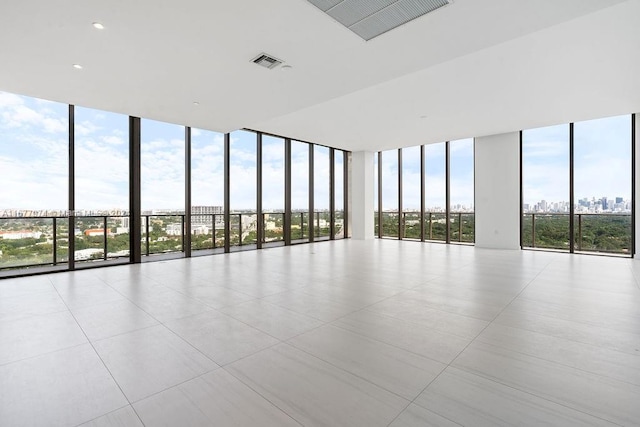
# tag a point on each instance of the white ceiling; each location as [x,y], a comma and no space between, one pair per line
[473,68]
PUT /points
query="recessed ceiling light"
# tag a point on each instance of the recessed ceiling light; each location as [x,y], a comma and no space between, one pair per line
[286,68]
[196,103]
[98,26]
[77,66]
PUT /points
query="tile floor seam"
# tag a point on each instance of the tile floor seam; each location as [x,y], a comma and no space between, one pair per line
[554,362]
[555,402]
[111,412]
[101,360]
[350,373]
[472,340]
[43,354]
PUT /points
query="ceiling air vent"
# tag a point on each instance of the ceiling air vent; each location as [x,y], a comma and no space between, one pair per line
[371,18]
[267,61]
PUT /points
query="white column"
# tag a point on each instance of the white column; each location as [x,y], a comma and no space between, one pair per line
[361,190]
[497,191]
[637,161]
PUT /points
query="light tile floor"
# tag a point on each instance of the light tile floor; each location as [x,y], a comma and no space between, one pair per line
[346,333]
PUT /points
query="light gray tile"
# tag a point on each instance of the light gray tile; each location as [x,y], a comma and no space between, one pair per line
[215,296]
[37,335]
[417,416]
[167,305]
[570,330]
[595,359]
[391,368]
[315,392]
[470,399]
[214,399]
[25,286]
[124,417]
[221,337]
[317,306]
[151,360]
[413,337]
[110,319]
[274,320]
[82,296]
[602,397]
[63,388]
[416,311]
[16,307]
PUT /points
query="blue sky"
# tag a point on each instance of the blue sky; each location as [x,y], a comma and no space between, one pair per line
[461,176]
[602,160]
[34,163]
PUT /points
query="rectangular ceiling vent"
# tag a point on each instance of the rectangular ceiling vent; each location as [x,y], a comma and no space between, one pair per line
[371,18]
[267,61]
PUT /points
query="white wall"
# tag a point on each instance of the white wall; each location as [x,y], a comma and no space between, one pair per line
[361,190]
[497,191]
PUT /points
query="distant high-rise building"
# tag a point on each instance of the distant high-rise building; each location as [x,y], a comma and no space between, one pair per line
[203,214]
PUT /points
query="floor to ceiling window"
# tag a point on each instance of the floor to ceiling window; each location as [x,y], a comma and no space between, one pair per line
[243,188]
[338,215]
[101,150]
[321,193]
[411,193]
[34,166]
[461,182]
[545,187]
[300,191]
[435,221]
[596,210]
[207,190]
[162,147]
[273,191]
[602,185]
[390,191]
[71,185]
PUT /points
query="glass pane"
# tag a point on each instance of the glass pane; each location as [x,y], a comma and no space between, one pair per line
[339,194]
[390,214]
[462,191]
[375,193]
[243,193]
[163,186]
[207,189]
[102,184]
[273,188]
[299,191]
[435,223]
[545,187]
[34,150]
[321,191]
[411,192]
[602,173]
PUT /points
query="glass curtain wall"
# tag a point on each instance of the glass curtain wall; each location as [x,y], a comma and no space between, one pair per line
[101,151]
[162,151]
[602,185]
[43,161]
[376,189]
[545,187]
[461,191]
[299,192]
[207,190]
[243,188]
[273,188]
[34,165]
[321,193]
